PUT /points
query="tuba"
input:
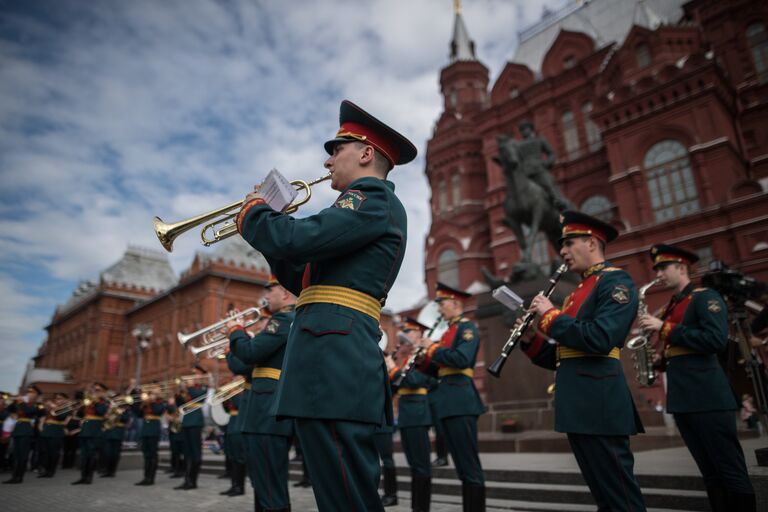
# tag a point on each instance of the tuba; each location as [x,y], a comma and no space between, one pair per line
[642,349]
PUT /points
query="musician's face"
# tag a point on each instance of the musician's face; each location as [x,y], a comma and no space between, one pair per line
[344,163]
[576,253]
[449,308]
[671,274]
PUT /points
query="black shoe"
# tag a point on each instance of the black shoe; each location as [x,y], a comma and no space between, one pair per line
[176,474]
[304,482]
[224,475]
[143,482]
[439,462]
[236,491]
[388,501]
[226,493]
[184,486]
[82,481]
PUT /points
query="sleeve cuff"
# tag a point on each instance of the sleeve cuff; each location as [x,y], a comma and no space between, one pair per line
[393,372]
[547,318]
[244,211]
[532,349]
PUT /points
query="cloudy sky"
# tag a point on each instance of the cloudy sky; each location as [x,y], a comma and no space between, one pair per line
[112,112]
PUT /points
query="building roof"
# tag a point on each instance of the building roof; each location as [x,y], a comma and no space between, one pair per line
[141,268]
[606,21]
[235,251]
[462,47]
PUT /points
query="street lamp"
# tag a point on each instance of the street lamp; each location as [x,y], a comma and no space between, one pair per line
[142,333]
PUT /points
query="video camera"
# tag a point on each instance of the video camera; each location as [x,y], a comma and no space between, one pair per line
[732,283]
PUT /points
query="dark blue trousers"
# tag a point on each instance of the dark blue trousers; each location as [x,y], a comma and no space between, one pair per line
[607,464]
[268,467]
[416,446]
[21,447]
[192,445]
[343,464]
[711,438]
[385,447]
[461,434]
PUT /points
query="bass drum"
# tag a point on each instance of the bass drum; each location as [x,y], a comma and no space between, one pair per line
[219,415]
[430,316]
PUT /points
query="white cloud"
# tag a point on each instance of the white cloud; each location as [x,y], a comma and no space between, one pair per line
[113,113]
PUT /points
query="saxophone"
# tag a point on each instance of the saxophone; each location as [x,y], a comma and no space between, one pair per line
[640,345]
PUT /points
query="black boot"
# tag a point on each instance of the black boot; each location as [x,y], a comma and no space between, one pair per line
[18,474]
[195,472]
[145,480]
[476,495]
[741,502]
[390,487]
[187,478]
[421,493]
[238,479]
[86,474]
[716,496]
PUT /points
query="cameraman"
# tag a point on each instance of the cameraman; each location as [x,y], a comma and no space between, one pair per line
[693,328]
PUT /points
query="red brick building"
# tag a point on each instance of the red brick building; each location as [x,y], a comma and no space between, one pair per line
[658,114]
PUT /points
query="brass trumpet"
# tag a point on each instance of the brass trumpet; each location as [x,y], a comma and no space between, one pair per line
[215,338]
[167,233]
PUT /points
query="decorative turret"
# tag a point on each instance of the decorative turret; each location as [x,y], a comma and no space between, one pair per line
[464,82]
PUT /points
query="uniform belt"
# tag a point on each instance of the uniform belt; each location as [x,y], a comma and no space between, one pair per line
[571,353]
[92,417]
[54,422]
[150,417]
[247,385]
[266,373]
[414,391]
[443,372]
[233,413]
[674,351]
[119,424]
[24,420]
[341,296]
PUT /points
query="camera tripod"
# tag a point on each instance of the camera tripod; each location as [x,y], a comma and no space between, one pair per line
[742,335]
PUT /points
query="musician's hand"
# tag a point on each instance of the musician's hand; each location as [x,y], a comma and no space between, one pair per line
[650,323]
[425,342]
[232,324]
[518,321]
[540,305]
[656,358]
[253,195]
[390,362]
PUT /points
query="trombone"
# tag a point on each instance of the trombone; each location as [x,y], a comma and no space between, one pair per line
[168,232]
[227,391]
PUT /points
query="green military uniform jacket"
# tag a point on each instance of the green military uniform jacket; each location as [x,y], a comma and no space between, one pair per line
[456,394]
[54,426]
[25,416]
[93,419]
[265,351]
[195,417]
[333,366]
[591,392]
[413,409]
[238,367]
[150,414]
[697,322]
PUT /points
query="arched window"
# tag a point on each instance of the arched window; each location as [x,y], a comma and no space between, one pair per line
[593,132]
[599,207]
[442,196]
[570,135]
[643,55]
[670,181]
[456,190]
[757,40]
[448,268]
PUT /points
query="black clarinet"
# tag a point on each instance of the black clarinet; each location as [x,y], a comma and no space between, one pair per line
[517,332]
[416,354]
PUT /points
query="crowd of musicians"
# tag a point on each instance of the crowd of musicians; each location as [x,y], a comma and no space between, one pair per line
[309,367]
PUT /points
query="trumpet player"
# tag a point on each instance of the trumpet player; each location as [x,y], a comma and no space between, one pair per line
[266,439]
[414,420]
[192,428]
[457,401]
[52,436]
[94,410]
[593,405]
[149,411]
[26,411]
[693,328]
